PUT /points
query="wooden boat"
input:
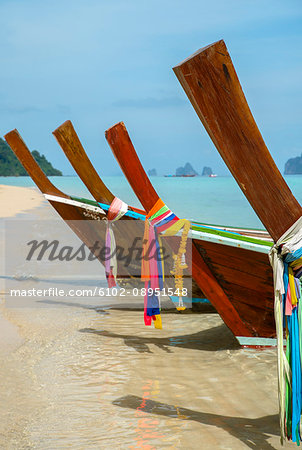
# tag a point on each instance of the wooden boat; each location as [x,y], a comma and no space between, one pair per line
[223,110]
[233,238]
[77,156]
[132,227]
[179,176]
[86,218]
[72,208]
[78,212]
[73,149]
[237,279]
[212,86]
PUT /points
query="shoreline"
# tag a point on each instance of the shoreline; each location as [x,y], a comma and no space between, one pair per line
[13,200]
[74,372]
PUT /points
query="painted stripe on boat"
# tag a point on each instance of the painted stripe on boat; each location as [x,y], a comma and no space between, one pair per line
[262,235]
[237,236]
[231,228]
[190,300]
[240,242]
[256,341]
[68,201]
[202,236]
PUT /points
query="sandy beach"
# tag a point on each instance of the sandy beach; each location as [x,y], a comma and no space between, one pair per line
[15,200]
[86,373]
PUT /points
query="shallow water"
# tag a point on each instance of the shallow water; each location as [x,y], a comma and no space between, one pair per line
[87,374]
[100,379]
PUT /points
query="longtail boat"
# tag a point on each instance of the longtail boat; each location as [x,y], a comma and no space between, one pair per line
[72,147]
[132,228]
[85,217]
[212,86]
[231,266]
[235,239]
[73,209]
[236,278]
[210,81]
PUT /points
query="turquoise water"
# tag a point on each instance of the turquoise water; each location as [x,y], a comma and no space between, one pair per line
[211,200]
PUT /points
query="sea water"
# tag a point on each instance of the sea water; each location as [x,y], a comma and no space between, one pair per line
[89,375]
[209,200]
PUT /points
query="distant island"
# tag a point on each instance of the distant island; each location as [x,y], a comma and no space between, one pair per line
[186,171]
[206,171]
[293,166]
[152,173]
[11,167]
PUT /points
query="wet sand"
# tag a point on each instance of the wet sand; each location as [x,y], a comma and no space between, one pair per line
[94,378]
[89,375]
[13,200]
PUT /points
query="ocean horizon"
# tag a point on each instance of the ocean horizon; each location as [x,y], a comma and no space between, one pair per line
[210,200]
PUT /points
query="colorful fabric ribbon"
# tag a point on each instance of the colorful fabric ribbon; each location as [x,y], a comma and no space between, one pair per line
[160,221]
[117,209]
[286,260]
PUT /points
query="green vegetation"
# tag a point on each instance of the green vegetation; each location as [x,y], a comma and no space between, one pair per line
[11,167]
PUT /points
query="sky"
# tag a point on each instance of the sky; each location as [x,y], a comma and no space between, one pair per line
[99,62]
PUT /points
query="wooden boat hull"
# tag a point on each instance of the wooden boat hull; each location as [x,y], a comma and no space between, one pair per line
[245,296]
[129,229]
[88,220]
[246,278]
[89,225]
[72,147]
[241,293]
